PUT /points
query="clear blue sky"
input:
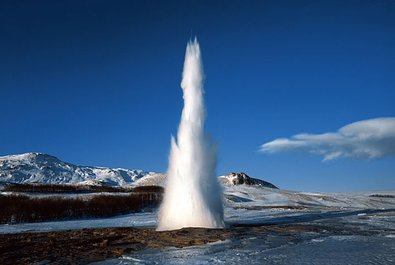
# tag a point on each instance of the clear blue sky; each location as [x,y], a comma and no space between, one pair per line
[98,82]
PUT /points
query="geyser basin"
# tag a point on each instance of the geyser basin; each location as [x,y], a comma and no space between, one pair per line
[192,195]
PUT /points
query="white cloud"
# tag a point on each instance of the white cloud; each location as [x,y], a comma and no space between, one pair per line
[372,138]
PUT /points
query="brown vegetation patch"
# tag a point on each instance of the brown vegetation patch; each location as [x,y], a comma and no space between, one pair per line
[20,208]
[382,196]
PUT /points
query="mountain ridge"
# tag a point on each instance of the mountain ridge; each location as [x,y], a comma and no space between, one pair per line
[44,168]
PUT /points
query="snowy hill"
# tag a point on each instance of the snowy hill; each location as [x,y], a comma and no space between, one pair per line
[154,179]
[43,168]
[242,178]
[231,179]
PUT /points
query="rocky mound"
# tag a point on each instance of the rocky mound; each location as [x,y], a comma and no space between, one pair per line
[243,179]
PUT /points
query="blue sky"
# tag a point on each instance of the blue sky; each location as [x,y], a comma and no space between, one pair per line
[98,82]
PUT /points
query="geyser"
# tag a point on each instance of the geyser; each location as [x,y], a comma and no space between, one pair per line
[192,197]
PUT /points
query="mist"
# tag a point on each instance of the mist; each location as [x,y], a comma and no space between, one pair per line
[192,195]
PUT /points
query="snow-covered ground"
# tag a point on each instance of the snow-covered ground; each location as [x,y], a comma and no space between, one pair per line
[273,250]
[371,220]
[253,197]
[131,220]
[244,205]
[361,230]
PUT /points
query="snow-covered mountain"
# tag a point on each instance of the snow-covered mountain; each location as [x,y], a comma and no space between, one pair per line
[231,179]
[43,168]
[242,178]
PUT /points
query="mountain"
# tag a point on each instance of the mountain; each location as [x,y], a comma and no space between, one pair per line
[242,178]
[43,168]
[155,179]
[231,179]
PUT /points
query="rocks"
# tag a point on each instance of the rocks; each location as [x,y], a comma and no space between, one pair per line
[242,178]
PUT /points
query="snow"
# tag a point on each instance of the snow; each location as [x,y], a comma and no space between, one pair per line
[154,179]
[256,208]
[370,243]
[257,196]
[147,219]
[43,168]
[242,178]
[268,250]
[371,217]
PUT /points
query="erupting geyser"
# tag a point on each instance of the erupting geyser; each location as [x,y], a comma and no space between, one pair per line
[192,195]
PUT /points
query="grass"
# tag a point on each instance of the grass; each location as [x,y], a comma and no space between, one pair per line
[22,208]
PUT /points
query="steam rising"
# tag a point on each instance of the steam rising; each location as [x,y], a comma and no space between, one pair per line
[192,196]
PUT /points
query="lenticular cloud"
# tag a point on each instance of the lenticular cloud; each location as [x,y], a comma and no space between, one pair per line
[368,139]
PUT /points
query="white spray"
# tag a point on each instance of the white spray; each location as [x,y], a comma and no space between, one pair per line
[192,195]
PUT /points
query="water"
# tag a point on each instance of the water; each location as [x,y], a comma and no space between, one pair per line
[192,195]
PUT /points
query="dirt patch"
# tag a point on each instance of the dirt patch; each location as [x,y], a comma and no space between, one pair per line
[89,245]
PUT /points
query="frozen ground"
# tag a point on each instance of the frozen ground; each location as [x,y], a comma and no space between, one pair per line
[308,250]
[131,220]
[354,228]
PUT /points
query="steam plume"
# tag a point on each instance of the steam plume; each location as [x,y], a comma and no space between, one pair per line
[192,196]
